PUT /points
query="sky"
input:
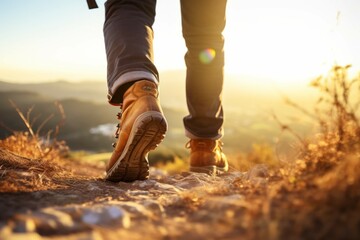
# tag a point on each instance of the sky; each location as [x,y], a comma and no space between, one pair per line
[285,41]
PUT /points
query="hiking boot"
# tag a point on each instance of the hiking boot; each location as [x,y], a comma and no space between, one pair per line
[206,156]
[142,127]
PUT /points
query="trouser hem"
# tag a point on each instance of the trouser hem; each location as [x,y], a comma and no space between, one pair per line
[124,80]
[193,136]
[132,77]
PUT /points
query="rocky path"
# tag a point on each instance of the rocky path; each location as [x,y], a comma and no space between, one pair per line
[182,206]
[69,200]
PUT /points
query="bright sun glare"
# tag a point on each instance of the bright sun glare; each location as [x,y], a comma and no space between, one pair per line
[283,41]
[288,43]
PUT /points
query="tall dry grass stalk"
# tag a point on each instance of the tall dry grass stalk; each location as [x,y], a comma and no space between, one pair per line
[30,143]
[337,114]
[338,107]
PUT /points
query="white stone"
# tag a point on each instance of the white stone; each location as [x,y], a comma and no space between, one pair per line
[146,183]
[105,214]
[115,212]
[91,218]
[58,216]
[167,187]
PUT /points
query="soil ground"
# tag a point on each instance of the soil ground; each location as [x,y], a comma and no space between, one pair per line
[76,203]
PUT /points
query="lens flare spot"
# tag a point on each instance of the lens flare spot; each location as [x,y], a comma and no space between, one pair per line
[207,55]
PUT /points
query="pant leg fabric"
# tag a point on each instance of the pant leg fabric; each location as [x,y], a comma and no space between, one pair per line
[128,39]
[203,22]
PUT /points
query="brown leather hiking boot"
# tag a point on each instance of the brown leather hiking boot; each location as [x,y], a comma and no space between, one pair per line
[206,156]
[142,127]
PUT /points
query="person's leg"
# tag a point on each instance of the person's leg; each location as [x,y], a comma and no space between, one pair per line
[132,81]
[203,22]
[128,38]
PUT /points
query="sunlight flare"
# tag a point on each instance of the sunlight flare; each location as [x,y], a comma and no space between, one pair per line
[207,55]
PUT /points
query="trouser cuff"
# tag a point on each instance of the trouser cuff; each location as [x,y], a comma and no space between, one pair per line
[116,90]
[193,136]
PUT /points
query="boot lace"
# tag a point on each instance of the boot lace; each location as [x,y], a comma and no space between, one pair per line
[117,133]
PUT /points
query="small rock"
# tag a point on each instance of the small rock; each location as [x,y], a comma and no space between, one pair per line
[154,207]
[62,218]
[115,212]
[137,193]
[146,183]
[91,218]
[157,173]
[24,224]
[136,209]
[48,220]
[166,187]
[193,180]
[116,189]
[167,200]
[104,214]
[93,187]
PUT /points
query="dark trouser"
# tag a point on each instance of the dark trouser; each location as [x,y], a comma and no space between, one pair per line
[128,41]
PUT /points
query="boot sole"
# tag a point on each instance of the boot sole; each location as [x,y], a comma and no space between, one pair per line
[211,170]
[147,132]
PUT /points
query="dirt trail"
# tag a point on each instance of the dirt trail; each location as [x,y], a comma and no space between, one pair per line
[84,206]
[70,200]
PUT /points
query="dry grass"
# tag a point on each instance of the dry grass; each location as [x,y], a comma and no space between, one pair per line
[32,162]
[23,144]
[23,168]
[317,194]
[337,114]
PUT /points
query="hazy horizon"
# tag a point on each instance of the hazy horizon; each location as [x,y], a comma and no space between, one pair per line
[240,91]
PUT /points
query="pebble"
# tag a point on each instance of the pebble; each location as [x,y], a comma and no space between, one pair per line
[105,214]
[166,187]
[24,225]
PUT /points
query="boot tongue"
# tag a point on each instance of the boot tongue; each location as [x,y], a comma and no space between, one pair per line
[149,89]
[145,87]
[203,144]
[142,87]
[139,89]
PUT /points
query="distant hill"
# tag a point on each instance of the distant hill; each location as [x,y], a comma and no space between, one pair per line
[248,107]
[89,91]
[240,92]
[81,116]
